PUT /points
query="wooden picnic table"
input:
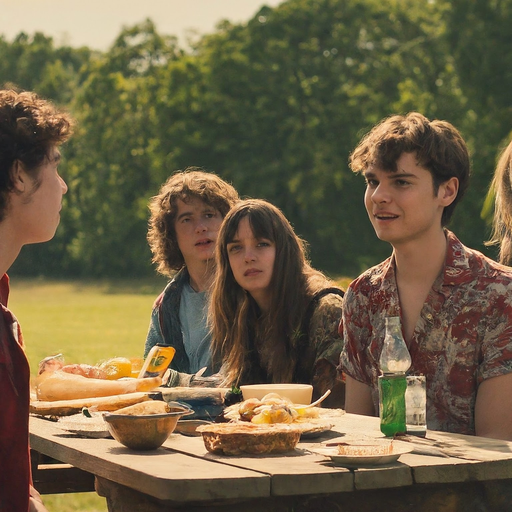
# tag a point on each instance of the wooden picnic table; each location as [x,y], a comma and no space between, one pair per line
[445,472]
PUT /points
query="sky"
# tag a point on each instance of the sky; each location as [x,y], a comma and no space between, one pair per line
[97,23]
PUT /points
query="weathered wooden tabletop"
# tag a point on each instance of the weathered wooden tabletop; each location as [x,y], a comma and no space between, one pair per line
[182,473]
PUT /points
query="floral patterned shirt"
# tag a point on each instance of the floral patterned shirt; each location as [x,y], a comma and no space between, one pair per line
[463,335]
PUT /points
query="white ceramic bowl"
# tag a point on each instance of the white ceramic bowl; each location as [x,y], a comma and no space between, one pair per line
[297,393]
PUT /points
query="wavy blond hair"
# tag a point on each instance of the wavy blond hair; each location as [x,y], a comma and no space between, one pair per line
[501,185]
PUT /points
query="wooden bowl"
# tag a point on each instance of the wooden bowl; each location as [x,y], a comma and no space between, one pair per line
[146,432]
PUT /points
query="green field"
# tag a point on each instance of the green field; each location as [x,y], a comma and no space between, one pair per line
[86,322]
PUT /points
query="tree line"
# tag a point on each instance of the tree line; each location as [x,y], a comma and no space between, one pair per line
[274,106]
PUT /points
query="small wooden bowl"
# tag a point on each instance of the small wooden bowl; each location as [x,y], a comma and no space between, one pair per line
[146,432]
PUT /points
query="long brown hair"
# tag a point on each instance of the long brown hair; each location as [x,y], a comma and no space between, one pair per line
[502,220]
[237,323]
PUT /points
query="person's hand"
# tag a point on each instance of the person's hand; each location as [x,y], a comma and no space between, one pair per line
[36,506]
[35,502]
[172,378]
[213,381]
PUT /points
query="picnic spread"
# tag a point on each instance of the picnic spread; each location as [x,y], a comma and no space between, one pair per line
[261,453]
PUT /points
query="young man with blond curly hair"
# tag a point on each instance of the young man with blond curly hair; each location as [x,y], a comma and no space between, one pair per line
[185,219]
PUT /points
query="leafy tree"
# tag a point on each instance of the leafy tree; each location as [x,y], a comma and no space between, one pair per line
[274,105]
[33,63]
[480,40]
[278,104]
[112,160]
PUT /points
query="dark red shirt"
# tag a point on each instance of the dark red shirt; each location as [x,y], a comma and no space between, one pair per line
[15,476]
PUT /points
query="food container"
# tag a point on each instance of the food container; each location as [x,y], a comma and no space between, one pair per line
[296,393]
[247,438]
[144,432]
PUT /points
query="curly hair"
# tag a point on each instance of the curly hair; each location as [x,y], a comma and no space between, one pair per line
[438,145]
[185,185]
[502,221]
[29,127]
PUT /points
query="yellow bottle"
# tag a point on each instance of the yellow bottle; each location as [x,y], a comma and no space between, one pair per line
[157,361]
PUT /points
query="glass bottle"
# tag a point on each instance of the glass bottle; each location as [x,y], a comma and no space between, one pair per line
[416,405]
[394,361]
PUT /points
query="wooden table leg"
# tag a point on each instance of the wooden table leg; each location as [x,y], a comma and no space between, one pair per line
[52,477]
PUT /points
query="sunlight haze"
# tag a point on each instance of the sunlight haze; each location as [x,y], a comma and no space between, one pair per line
[97,23]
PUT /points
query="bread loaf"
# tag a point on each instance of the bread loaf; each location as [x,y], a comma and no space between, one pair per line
[59,385]
[69,407]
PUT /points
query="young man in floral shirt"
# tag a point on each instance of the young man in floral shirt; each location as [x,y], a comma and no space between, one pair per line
[454,303]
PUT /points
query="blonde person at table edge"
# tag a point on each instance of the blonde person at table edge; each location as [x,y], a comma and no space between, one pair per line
[501,186]
[274,318]
[185,219]
[454,303]
[31,130]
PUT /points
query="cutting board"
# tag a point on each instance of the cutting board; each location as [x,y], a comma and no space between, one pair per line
[69,407]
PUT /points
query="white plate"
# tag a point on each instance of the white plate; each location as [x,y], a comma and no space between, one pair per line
[354,460]
[83,426]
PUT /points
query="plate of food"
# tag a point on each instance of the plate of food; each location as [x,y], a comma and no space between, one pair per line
[313,429]
[367,454]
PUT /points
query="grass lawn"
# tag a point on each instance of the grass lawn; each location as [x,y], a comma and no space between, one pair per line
[86,322]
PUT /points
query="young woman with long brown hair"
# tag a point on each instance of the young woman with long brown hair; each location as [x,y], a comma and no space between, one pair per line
[274,318]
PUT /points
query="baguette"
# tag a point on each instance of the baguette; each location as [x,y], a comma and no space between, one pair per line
[59,385]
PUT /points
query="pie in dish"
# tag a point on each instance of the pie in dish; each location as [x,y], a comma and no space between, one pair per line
[247,438]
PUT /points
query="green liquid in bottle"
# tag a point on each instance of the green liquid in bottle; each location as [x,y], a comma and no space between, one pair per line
[392,404]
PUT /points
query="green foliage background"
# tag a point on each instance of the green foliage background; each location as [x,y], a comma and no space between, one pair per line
[275,106]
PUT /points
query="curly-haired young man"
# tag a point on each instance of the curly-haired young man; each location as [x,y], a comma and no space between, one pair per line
[31,189]
[185,219]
